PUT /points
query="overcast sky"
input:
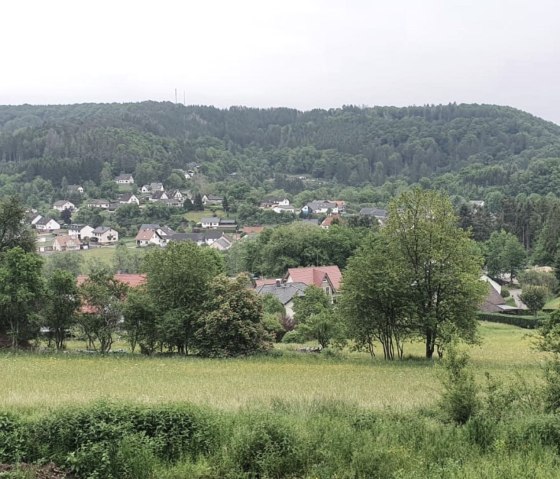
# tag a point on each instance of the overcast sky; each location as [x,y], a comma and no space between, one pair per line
[297,53]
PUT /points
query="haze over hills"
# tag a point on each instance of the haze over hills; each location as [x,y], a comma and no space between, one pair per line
[464,147]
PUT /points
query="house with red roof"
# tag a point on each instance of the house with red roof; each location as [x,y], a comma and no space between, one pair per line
[328,278]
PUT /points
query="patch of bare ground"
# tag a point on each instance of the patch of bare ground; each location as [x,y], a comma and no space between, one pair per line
[31,471]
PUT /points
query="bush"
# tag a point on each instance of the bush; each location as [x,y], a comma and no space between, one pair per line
[526,322]
[13,443]
[459,399]
[504,293]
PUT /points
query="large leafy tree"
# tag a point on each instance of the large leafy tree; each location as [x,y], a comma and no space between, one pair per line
[440,265]
[375,300]
[504,254]
[13,229]
[316,318]
[21,288]
[178,283]
[62,302]
[233,325]
[102,296]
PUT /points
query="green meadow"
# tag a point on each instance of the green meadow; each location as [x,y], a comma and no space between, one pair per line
[38,381]
[283,415]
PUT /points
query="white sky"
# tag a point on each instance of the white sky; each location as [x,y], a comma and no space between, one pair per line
[303,54]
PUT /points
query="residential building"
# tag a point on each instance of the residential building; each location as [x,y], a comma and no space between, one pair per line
[221,244]
[80,231]
[66,243]
[210,222]
[47,224]
[328,278]
[320,207]
[378,213]
[212,200]
[284,292]
[203,238]
[62,205]
[103,204]
[149,234]
[158,195]
[75,189]
[124,179]
[328,221]
[283,209]
[129,198]
[105,235]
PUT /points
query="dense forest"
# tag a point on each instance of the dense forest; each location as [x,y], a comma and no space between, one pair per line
[468,150]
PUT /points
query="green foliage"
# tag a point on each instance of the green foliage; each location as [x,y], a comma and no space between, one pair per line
[532,277]
[14,231]
[140,321]
[526,322]
[316,319]
[126,260]
[102,296]
[65,261]
[534,297]
[178,283]
[504,254]
[438,265]
[374,301]
[21,289]
[232,325]
[62,302]
[459,399]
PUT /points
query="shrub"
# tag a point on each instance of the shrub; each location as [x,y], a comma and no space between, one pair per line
[459,399]
[13,444]
[526,322]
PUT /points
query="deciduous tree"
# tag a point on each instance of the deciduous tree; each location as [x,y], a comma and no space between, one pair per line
[443,264]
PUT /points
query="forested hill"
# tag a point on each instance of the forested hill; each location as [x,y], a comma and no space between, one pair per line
[486,145]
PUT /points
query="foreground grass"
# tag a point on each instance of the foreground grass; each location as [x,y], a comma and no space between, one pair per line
[38,382]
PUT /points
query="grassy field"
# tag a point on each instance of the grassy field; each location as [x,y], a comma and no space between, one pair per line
[32,382]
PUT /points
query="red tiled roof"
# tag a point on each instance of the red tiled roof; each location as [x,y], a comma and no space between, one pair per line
[315,275]
[132,280]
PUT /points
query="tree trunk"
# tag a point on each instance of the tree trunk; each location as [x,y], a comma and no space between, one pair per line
[429,343]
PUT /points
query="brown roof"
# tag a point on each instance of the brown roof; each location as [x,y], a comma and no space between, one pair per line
[132,280]
[264,281]
[329,219]
[64,240]
[315,275]
[144,235]
[251,230]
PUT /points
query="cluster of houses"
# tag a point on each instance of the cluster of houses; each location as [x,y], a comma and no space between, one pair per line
[156,235]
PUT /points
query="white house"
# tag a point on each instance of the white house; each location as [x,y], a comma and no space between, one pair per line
[212,200]
[124,179]
[105,235]
[320,207]
[103,204]
[148,237]
[80,231]
[35,219]
[175,195]
[284,209]
[211,222]
[129,199]
[158,196]
[47,224]
[62,205]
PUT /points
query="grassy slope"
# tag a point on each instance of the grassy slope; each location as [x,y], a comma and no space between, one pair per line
[31,382]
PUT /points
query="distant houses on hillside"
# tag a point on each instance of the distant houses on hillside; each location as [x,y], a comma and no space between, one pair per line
[124,179]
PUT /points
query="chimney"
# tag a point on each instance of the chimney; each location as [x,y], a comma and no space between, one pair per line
[278,283]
